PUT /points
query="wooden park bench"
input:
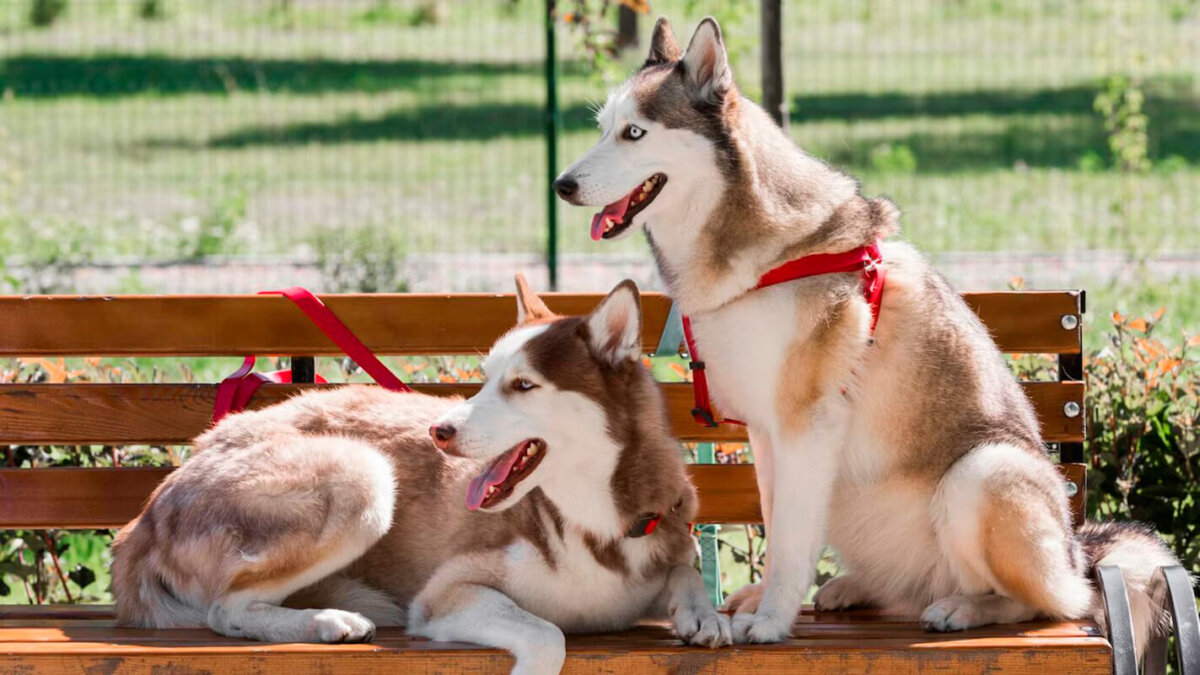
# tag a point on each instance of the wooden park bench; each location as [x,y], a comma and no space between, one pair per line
[86,639]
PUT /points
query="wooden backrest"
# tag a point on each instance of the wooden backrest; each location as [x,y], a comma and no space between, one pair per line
[153,413]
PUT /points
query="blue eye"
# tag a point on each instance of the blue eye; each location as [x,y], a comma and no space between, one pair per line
[633,132]
[521,384]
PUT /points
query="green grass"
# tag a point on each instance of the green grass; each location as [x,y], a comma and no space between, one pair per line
[129,136]
[335,118]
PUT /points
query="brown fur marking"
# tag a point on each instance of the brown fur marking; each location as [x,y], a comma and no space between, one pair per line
[814,366]
[1012,529]
[648,478]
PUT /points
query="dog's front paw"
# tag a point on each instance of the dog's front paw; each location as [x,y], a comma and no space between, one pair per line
[839,593]
[759,628]
[703,627]
[957,612]
[548,663]
[543,655]
[744,600]
[335,625]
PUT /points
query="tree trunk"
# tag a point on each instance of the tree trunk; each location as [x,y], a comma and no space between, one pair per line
[772,61]
[627,28]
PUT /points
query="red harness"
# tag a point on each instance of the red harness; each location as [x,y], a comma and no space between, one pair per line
[235,391]
[864,259]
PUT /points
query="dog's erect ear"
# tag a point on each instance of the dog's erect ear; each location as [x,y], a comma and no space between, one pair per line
[664,48]
[706,65]
[615,326]
[530,307]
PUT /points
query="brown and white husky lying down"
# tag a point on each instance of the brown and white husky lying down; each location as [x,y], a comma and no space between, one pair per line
[320,518]
[912,451]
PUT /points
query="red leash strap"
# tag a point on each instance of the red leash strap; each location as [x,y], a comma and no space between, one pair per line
[702,410]
[874,277]
[343,337]
[867,259]
[235,391]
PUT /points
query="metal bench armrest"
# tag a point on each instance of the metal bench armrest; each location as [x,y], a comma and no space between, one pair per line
[1117,619]
[1184,619]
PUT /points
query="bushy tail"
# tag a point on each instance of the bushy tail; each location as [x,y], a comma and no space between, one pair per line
[141,592]
[1138,552]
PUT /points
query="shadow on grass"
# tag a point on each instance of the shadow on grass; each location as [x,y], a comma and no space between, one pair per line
[1163,94]
[44,76]
[860,106]
[1039,128]
[454,122]
[1029,140]
[1021,144]
[1042,128]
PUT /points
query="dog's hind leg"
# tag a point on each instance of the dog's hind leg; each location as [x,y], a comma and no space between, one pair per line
[474,613]
[352,595]
[960,612]
[324,503]
[1003,526]
[842,592]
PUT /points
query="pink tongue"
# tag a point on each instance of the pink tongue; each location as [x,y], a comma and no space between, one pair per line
[614,212]
[494,474]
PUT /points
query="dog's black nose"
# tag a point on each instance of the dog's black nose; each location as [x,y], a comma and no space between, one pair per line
[566,187]
[442,434]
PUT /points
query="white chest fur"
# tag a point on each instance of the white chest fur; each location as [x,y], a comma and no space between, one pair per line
[578,593]
[744,346]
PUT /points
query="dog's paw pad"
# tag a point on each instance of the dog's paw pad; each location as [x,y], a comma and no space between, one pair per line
[744,600]
[703,628]
[837,594]
[950,614]
[335,625]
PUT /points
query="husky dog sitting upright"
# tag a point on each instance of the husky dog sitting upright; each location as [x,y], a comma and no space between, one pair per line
[912,450]
[322,517]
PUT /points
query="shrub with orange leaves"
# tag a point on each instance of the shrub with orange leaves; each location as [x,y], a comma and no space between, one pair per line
[1143,401]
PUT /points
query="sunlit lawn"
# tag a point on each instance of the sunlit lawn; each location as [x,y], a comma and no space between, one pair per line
[227,128]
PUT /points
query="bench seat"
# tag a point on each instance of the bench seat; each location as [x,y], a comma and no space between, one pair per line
[86,639]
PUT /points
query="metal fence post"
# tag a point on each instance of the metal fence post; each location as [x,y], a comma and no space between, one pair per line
[710,560]
[552,125]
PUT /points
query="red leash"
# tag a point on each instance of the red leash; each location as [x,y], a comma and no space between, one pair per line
[235,391]
[865,259]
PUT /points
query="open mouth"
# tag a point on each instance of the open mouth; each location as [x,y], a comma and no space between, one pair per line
[618,216]
[503,473]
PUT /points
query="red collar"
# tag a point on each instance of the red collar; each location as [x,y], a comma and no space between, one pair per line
[646,524]
[865,259]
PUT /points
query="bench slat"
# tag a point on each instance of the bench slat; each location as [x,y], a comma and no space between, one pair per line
[122,414]
[651,652]
[227,325]
[76,498]
[100,498]
[45,623]
[826,643]
[870,629]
